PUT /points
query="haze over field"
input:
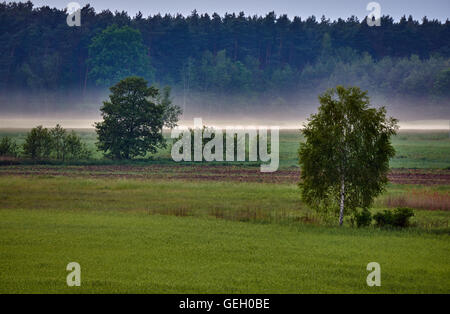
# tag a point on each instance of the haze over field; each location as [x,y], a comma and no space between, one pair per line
[223,112]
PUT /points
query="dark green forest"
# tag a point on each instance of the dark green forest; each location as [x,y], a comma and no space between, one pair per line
[255,57]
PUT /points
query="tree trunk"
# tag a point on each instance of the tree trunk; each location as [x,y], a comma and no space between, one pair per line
[341,212]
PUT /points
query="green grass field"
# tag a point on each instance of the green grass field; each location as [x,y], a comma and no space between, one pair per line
[164,236]
[415,149]
[164,232]
[138,253]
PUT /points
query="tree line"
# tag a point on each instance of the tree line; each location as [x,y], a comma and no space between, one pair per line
[234,53]
[47,144]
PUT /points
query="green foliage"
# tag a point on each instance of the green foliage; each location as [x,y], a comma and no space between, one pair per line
[56,144]
[208,134]
[345,159]
[74,149]
[8,147]
[362,218]
[234,52]
[171,113]
[396,218]
[384,218]
[387,76]
[116,53]
[442,82]
[219,73]
[58,135]
[133,119]
[38,144]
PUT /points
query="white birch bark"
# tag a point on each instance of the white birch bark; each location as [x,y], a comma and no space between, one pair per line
[341,211]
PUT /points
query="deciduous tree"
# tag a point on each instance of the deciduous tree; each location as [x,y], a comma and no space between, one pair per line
[345,158]
[133,119]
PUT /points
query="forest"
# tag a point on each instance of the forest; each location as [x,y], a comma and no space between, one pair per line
[253,58]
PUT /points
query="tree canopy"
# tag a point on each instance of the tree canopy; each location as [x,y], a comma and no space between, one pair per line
[117,53]
[345,158]
[133,119]
[234,53]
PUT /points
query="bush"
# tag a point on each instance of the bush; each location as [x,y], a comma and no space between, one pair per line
[401,217]
[56,143]
[397,218]
[240,144]
[74,148]
[383,219]
[38,143]
[8,147]
[362,218]
[59,136]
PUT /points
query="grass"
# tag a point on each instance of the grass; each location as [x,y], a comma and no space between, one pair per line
[422,199]
[139,253]
[415,149]
[258,202]
[426,149]
[154,196]
[416,196]
[164,236]
[167,235]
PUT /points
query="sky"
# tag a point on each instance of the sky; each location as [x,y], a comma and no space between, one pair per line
[333,9]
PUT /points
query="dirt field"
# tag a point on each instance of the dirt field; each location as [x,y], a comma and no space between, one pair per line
[209,173]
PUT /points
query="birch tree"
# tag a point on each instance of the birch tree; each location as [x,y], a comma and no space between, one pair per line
[345,157]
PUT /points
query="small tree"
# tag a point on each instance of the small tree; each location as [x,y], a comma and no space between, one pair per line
[345,159]
[8,147]
[74,148]
[38,143]
[58,135]
[133,119]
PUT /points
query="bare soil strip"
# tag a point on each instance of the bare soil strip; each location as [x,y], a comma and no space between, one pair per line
[209,173]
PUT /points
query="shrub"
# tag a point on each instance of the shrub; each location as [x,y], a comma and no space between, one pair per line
[401,217]
[383,219]
[397,218]
[56,143]
[58,135]
[362,218]
[74,148]
[8,147]
[240,144]
[38,143]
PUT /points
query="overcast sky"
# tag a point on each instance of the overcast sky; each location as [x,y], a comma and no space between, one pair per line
[332,9]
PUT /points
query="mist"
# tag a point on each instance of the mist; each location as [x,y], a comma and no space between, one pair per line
[27,110]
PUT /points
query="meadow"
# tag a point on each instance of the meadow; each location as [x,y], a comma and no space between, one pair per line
[415,149]
[156,227]
[139,253]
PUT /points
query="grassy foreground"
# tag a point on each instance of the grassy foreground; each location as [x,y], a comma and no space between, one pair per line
[131,236]
[135,252]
